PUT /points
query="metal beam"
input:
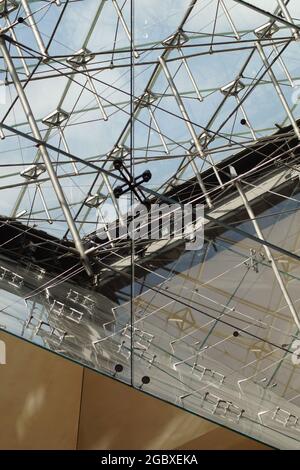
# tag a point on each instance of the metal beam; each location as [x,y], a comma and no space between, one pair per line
[269,254]
[268,14]
[46,158]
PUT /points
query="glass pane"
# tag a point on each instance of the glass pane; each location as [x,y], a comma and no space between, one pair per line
[216,125]
[150,194]
[60,134]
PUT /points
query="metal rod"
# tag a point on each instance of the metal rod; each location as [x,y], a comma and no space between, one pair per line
[34,28]
[245,117]
[13,35]
[24,188]
[46,158]
[194,167]
[189,72]
[113,198]
[188,124]
[278,89]
[158,130]
[63,96]
[268,14]
[225,225]
[127,32]
[105,225]
[288,17]
[39,189]
[216,171]
[154,76]
[92,85]
[284,67]
[238,37]
[62,136]
[269,255]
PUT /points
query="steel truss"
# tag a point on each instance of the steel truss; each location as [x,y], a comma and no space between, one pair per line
[210,111]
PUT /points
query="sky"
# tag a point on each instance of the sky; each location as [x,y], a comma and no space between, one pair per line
[89,137]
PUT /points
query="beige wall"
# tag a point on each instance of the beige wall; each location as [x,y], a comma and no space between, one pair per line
[47,402]
[39,398]
[115,416]
[223,439]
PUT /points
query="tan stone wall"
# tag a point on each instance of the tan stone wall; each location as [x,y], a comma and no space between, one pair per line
[115,416]
[47,402]
[39,398]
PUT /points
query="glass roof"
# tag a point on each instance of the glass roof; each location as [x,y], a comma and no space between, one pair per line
[106,103]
